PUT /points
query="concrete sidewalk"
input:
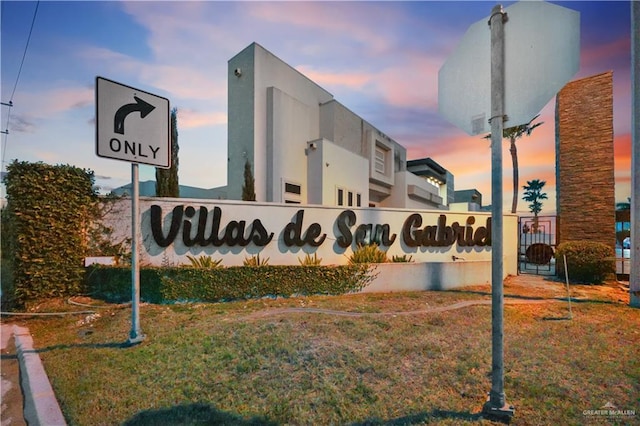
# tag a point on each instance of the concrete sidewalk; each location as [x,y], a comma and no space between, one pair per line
[11,393]
[40,403]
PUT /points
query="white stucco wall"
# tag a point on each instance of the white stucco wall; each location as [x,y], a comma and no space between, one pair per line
[343,127]
[274,111]
[260,71]
[290,124]
[392,277]
[331,166]
[275,218]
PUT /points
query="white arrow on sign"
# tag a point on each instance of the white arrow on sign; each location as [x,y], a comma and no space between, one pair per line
[541,54]
[132,125]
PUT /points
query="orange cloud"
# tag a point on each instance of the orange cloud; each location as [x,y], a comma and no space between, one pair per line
[622,150]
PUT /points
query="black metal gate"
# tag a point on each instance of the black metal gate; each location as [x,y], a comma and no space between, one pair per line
[537,245]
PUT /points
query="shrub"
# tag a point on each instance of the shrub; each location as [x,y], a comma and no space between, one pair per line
[255,261]
[8,300]
[402,259]
[113,283]
[48,218]
[219,284]
[204,262]
[370,253]
[587,261]
[310,260]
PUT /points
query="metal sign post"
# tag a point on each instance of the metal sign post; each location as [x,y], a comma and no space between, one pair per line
[488,76]
[132,125]
[496,405]
[135,335]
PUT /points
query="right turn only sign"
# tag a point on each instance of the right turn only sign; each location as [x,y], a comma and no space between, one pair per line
[132,125]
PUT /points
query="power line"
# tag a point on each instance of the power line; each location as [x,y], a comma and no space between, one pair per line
[24,55]
[15,86]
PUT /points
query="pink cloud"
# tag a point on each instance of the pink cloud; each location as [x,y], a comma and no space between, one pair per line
[341,18]
[411,83]
[50,102]
[594,57]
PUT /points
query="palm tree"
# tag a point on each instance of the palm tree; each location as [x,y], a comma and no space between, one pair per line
[533,193]
[514,133]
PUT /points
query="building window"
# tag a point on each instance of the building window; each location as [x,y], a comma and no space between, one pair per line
[345,197]
[291,192]
[340,197]
[292,188]
[380,160]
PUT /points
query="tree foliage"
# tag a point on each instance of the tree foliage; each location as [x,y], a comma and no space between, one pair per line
[248,188]
[167,184]
[513,134]
[533,194]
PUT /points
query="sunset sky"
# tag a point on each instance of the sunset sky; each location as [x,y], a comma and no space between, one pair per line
[379,59]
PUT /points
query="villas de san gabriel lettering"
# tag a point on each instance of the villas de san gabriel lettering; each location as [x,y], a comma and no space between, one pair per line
[203,227]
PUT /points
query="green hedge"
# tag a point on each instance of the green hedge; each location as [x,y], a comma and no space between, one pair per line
[587,261]
[159,285]
[48,212]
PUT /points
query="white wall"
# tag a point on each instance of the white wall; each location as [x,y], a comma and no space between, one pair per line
[290,124]
[275,218]
[248,98]
[392,277]
[331,166]
[274,111]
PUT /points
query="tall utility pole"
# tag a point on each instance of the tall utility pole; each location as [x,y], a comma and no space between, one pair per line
[634,276]
[496,406]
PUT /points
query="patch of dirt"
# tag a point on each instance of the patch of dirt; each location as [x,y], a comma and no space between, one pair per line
[539,287]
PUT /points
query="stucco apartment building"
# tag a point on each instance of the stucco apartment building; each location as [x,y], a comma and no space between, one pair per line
[306,147]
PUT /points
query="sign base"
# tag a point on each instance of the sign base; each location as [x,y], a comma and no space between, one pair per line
[134,340]
[502,414]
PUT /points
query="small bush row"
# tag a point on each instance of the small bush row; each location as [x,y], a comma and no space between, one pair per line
[165,284]
[370,253]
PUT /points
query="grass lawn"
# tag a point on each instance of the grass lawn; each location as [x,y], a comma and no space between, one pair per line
[260,362]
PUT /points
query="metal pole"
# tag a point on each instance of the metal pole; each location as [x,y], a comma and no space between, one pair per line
[135,336]
[496,405]
[634,273]
[566,277]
